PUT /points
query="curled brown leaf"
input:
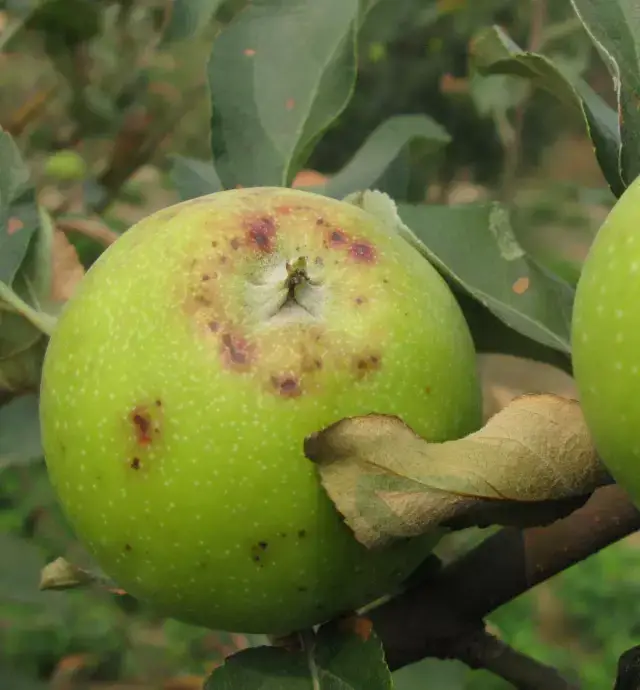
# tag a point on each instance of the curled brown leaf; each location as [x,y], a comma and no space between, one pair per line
[61,574]
[530,461]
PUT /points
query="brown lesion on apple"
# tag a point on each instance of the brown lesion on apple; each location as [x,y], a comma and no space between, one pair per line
[141,426]
[258,552]
[366,364]
[237,352]
[362,252]
[336,238]
[287,386]
[145,422]
[261,232]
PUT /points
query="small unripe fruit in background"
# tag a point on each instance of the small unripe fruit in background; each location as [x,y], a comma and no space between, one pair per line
[606,340]
[66,166]
[189,366]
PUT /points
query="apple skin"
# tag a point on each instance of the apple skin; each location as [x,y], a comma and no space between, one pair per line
[606,340]
[175,403]
[66,165]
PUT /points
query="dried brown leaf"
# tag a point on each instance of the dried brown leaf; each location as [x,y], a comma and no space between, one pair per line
[67,268]
[506,377]
[529,461]
[61,574]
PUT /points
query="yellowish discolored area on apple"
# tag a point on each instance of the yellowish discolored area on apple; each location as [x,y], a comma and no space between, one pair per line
[195,357]
[606,340]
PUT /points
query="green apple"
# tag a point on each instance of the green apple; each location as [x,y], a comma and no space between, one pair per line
[66,166]
[188,368]
[606,340]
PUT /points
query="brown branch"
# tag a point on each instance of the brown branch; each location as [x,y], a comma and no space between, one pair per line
[629,670]
[94,229]
[125,163]
[486,651]
[432,618]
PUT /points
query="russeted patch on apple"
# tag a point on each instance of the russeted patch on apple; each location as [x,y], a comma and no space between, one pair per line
[186,371]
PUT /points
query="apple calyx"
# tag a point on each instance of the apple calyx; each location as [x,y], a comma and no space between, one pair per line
[287,292]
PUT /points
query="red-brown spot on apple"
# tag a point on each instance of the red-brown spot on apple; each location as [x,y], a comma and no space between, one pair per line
[337,238]
[142,425]
[366,364]
[135,464]
[261,233]
[360,300]
[236,352]
[235,243]
[287,386]
[213,326]
[362,252]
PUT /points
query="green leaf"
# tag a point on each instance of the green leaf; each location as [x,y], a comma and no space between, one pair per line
[188,18]
[432,674]
[614,27]
[36,271]
[26,235]
[476,247]
[27,295]
[279,74]
[366,170]
[495,53]
[22,348]
[18,211]
[20,431]
[20,572]
[193,178]
[344,655]
[492,335]
[12,680]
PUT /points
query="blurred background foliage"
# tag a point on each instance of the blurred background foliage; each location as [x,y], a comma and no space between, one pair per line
[100,94]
